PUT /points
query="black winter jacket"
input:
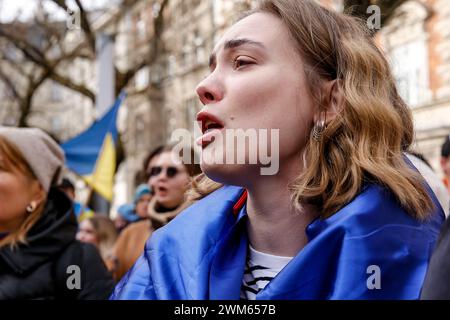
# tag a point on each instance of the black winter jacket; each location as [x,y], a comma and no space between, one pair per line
[41,269]
[437,280]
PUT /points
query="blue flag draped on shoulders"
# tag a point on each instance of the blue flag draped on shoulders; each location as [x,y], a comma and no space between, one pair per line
[92,154]
[369,249]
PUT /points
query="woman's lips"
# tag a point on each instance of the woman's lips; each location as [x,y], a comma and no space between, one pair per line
[208,137]
[210,125]
[162,191]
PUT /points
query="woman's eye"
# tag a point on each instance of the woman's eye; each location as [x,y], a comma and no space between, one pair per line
[239,62]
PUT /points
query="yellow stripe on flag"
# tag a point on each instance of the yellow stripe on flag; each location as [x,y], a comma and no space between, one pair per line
[102,179]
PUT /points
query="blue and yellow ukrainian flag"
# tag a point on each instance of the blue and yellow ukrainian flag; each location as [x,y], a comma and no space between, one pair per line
[92,154]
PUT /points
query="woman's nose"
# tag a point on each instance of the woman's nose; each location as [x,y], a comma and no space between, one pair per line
[161,176]
[209,91]
[80,236]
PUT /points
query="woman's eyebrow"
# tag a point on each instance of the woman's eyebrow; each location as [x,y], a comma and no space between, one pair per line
[235,43]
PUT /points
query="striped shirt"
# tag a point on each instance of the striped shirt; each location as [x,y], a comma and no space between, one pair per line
[260,269]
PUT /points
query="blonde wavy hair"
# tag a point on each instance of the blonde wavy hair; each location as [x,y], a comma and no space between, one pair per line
[367,140]
[13,161]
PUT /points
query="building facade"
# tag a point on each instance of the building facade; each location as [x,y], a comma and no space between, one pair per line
[417,43]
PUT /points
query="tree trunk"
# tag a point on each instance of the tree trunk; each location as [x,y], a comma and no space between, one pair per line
[25,107]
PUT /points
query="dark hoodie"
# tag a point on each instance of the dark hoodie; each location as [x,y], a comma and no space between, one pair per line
[40,269]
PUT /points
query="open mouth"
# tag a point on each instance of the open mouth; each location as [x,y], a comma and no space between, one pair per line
[162,190]
[208,122]
[210,126]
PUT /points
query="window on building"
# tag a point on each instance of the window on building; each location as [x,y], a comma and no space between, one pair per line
[185,54]
[140,132]
[56,124]
[410,68]
[142,78]
[11,53]
[140,28]
[7,92]
[55,92]
[156,73]
[405,38]
[199,49]
[156,9]
[171,64]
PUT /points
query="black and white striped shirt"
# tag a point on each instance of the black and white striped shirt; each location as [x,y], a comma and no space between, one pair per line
[260,269]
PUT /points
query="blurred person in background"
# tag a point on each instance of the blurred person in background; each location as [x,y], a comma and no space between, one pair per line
[100,231]
[149,162]
[170,181]
[128,244]
[126,252]
[437,281]
[435,183]
[142,197]
[142,176]
[81,211]
[125,216]
[445,162]
[38,226]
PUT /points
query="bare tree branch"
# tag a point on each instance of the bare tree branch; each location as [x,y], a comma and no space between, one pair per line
[50,57]
[61,4]
[17,38]
[86,26]
[18,66]
[9,84]
[122,79]
[50,67]
[66,82]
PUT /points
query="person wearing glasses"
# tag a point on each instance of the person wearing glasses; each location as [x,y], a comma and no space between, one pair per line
[345,216]
[169,182]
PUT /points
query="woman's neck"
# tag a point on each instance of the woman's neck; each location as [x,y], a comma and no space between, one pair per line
[163,209]
[11,225]
[274,225]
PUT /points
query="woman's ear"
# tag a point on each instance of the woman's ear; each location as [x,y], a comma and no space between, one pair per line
[336,97]
[333,101]
[38,194]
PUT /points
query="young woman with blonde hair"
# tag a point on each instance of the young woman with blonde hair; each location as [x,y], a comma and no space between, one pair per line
[347,216]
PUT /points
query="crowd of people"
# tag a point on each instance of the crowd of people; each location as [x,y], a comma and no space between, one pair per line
[350,197]
[54,231]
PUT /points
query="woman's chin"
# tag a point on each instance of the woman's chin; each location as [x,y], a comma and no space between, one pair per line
[167,203]
[230,174]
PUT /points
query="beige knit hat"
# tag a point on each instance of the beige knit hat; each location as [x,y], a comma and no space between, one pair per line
[41,152]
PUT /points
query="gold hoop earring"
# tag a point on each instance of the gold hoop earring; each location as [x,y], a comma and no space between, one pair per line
[31,207]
